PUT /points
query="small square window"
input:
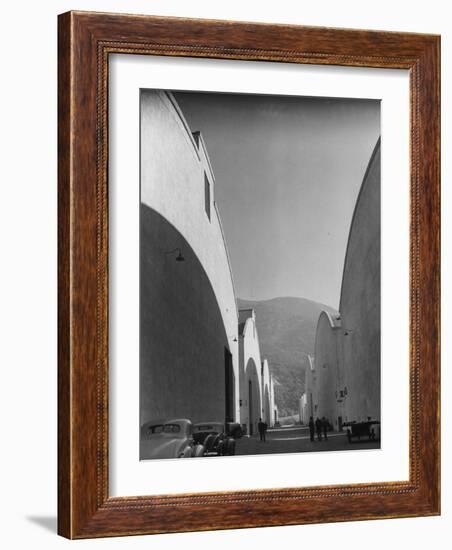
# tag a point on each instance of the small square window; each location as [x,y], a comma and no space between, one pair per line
[207,195]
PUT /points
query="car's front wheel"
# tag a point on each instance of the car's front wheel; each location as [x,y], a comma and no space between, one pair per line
[230,447]
[187,452]
[199,450]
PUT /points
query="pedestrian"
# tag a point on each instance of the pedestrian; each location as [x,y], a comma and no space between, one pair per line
[325,427]
[261,428]
[311,428]
[318,428]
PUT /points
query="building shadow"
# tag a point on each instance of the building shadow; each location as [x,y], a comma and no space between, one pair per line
[49,523]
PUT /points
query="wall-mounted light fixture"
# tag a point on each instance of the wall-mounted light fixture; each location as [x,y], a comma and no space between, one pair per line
[179,257]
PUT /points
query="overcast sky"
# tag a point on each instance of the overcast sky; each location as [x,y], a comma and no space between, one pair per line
[288,171]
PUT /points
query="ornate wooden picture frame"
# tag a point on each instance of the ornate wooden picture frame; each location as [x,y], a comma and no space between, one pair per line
[86,40]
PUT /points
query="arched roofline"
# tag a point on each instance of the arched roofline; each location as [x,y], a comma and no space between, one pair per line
[217,213]
[199,139]
[266,367]
[334,319]
[183,120]
[358,199]
[193,251]
[243,320]
[333,323]
[195,137]
[252,367]
[244,310]
[246,325]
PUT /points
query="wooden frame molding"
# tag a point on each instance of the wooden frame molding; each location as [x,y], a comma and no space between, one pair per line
[84,44]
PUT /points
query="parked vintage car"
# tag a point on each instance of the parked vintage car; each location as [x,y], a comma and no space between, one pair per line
[214,436]
[235,430]
[171,438]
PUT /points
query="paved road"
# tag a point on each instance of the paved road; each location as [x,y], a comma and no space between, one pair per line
[296,439]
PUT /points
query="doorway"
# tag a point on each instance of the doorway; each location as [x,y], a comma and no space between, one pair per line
[250,407]
[228,386]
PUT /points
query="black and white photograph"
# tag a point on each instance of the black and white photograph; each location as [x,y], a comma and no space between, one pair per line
[260,257]
[225,229]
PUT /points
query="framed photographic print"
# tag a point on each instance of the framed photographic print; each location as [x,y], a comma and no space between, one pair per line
[248,275]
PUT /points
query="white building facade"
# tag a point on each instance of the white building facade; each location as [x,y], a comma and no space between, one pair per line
[189,364]
[347,351]
[250,377]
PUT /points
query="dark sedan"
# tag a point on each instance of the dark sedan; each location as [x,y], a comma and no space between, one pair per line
[215,439]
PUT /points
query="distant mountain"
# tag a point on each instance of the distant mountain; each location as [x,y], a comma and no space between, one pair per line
[286,328]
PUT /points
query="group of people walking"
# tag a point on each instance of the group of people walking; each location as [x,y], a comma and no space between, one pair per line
[319,427]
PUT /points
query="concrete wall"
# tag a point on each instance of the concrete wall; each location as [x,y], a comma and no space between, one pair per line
[188,310]
[268,399]
[328,359]
[303,409]
[274,409]
[360,301]
[250,376]
[347,351]
[311,400]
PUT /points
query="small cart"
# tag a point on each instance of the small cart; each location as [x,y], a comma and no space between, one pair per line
[358,430]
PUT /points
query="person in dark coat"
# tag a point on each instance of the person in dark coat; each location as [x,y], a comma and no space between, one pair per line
[318,428]
[261,428]
[311,428]
[325,427]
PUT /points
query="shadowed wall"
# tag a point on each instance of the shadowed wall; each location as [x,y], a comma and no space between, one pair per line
[328,354]
[178,182]
[268,403]
[311,393]
[360,301]
[250,371]
[182,335]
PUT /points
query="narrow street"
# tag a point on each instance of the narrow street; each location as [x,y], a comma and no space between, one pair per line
[296,439]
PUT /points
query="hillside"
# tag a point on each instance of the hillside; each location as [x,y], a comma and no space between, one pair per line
[286,328]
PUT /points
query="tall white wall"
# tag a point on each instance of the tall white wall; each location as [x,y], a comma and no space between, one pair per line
[360,301]
[347,351]
[303,409]
[267,403]
[329,367]
[173,167]
[311,388]
[250,371]
[274,413]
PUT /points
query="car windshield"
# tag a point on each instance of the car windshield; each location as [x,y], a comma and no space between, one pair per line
[163,429]
[158,429]
[171,428]
[209,428]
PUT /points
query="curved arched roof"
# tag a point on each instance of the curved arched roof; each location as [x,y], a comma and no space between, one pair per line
[334,319]
[244,316]
[197,141]
[364,183]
